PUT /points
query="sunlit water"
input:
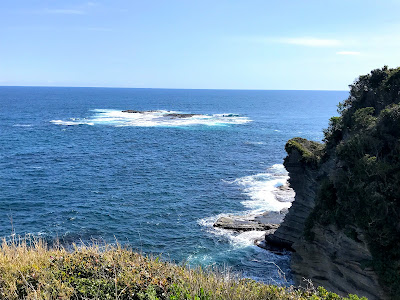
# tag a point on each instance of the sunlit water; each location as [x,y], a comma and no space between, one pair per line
[73,166]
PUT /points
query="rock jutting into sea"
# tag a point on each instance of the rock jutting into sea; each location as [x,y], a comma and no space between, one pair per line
[261,222]
[343,226]
[268,221]
[331,259]
[130,111]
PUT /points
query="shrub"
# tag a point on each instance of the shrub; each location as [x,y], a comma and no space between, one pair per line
[92,272]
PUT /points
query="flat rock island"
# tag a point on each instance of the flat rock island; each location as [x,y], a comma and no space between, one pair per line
[168,114]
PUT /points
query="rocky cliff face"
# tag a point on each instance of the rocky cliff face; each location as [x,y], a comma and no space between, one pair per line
[331,259]
[303,181]
[343,226]
[337,263]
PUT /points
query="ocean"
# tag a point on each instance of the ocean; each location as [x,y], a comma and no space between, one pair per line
[74,167]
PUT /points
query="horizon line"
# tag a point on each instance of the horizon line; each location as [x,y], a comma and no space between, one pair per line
[162,88]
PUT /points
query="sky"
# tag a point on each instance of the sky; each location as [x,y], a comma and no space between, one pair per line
[217,44]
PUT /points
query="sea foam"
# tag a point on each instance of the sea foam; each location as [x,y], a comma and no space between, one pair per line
[261,190]
[160,118]
[237,240]
[22,125]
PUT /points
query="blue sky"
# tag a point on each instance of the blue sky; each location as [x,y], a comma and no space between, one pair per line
[322,45]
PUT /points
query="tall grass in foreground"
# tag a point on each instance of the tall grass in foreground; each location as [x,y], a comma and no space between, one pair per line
[29,269]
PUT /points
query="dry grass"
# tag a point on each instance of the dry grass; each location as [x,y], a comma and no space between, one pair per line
[31,270]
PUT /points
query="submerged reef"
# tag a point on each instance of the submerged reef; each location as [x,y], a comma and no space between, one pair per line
[172,115]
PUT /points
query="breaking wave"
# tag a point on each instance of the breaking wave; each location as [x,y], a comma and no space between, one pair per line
[263,189]
[266,192]
[153,118]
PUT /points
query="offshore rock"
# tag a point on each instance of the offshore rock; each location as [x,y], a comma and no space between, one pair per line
[130,111]
[180,116]
[168,115]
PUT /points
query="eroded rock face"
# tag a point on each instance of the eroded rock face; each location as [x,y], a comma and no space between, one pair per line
[331,259]
[336,262]
[302,180]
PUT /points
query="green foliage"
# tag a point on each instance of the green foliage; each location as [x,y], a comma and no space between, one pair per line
[334,132]
[363,190]
[36,272]
[377,90]
[363,119]
[326,207]
[309,151]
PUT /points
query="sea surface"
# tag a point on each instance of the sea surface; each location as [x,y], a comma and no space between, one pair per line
[74,167]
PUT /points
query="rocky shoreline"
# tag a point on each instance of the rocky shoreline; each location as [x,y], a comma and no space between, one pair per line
[268,221]
[329,260]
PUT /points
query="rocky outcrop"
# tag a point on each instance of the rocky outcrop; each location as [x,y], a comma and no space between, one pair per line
[171,115]
[131,111]
[331,259]
[180,116]
[302,180]
[344,224]
[268,221]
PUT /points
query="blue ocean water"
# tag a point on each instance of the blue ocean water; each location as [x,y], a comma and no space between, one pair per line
[74,167]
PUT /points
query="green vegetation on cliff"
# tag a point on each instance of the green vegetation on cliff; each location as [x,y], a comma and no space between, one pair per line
[362,190]
[30,270]
[310,151]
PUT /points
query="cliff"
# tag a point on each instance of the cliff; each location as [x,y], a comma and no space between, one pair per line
[344,225]
[303,181]
[331,259]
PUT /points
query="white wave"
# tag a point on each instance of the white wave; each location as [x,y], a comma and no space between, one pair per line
[73,122]
[238,240]
[22,125]
[248,238]
[153,118]
[278,169]
[261,190]
[254,143]
[261,187]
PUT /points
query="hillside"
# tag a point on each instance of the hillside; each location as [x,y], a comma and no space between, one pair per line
[344,226]
[31,270]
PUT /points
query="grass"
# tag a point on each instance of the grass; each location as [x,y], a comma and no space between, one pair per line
[29,269]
